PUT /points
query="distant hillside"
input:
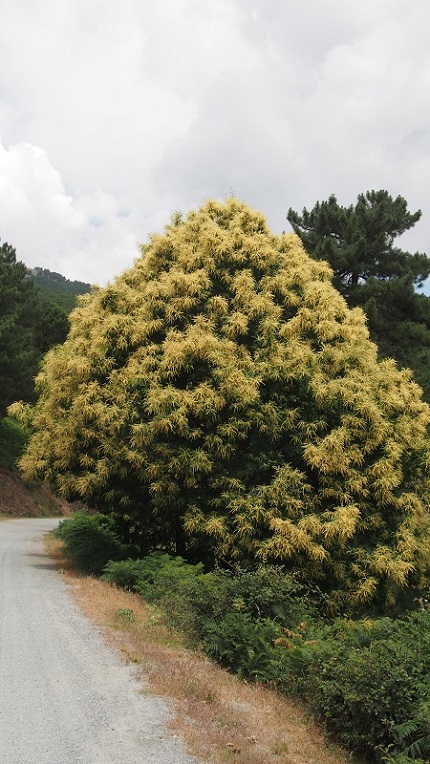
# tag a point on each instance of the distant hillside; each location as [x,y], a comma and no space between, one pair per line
[57,288]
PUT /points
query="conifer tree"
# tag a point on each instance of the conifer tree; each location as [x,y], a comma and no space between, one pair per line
[18,354]
[372,272]
[220,398]
[29,326]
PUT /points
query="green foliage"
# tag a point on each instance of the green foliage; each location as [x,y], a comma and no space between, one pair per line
[223,403]
[125,614]
[154,576]
[266,593]
[243,645]
[358,241]
[55,288]
[401,759]
[235,618]
[371,272]
[90,541]
[18,314]
[29,326]
[52,326]
[170,582]
[238,617]
[369,684]
[13,439]
[125,573]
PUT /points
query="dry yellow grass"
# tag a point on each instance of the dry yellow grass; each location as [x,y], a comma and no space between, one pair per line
[221,718]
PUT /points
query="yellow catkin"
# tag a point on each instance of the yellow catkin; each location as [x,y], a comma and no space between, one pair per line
[223,387]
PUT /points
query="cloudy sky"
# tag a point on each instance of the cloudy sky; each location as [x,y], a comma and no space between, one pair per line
[115,114]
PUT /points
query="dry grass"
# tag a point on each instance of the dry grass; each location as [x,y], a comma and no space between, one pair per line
[221,718]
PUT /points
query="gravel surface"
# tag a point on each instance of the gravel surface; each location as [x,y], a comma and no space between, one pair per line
[65,697]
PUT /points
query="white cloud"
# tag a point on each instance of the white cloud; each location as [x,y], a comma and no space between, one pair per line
[50,228]
[141,108]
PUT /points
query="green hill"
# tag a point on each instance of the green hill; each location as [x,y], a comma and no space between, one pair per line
[57,288]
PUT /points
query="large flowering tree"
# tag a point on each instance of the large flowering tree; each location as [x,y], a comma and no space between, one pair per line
[220,397]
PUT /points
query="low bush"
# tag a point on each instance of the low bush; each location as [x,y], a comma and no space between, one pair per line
[163,579]
[369,685]
[154,576]
[244,646]
[90,541]
[124,573]
[242,604]
[235,617]
[267,592]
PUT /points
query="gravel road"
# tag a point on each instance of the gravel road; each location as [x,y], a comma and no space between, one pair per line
[65,697]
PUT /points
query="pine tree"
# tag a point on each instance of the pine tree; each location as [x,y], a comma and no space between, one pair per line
[221,399]
[359,242]
[29,326]
[18,354]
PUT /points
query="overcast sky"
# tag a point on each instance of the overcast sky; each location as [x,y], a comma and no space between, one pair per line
[114,114]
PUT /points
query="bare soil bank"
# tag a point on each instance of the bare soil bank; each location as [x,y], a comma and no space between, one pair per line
[18,499]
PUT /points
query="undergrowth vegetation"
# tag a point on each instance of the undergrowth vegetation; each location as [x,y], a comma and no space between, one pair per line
[90,541]
[366,681]
[12,442]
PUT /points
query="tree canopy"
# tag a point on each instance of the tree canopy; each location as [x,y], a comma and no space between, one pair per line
[371,271]
[29,326]
[18,353]
[221,398]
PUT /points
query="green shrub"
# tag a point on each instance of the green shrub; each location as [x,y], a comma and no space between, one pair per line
[361,694]
[243,645]
[235,618]
[90,541]
[369,684]
[125,573]
[401,759]
[154,576]
[168,581]
[264,593]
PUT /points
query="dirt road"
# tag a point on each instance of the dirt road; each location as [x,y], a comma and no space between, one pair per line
[65,697]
